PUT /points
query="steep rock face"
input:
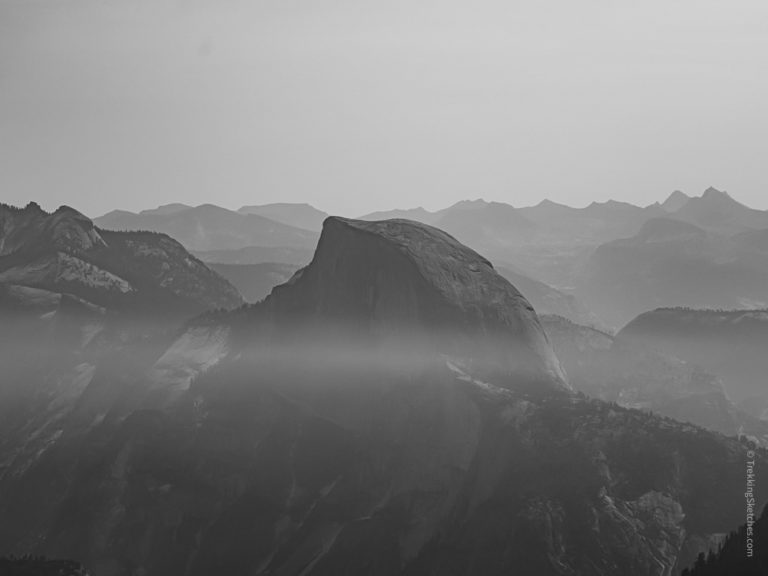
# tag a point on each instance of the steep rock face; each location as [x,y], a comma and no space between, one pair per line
[412,286]
[64,252]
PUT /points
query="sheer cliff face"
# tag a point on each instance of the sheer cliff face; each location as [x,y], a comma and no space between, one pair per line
[409,287]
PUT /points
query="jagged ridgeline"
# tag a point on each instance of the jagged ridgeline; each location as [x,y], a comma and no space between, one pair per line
[395,408]
[63,253]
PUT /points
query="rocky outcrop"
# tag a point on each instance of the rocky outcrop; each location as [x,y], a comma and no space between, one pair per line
[135,272]
[412,287]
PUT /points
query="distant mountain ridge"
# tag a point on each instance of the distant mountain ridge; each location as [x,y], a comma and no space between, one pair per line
[718,211]
[671,262]
[395,408]
[302,216]
[210,227]
[729,343]
[653,378]
[131,271]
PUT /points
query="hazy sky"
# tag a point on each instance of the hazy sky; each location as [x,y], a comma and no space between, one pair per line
[355,105]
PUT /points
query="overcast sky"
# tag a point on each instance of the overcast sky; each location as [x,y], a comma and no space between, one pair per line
[354,105]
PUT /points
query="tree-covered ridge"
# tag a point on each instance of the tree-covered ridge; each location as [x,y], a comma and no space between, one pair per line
[732,557]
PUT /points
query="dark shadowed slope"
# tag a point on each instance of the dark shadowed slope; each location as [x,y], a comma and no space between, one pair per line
[29,566]
[730,557]
[255,281]
[369,417]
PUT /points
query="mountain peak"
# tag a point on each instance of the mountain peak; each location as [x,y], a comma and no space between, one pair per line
[714,192]
[547,203]
[675,201]
[34,207]
[471,204]
[171,208]
[392,280]
[713,196]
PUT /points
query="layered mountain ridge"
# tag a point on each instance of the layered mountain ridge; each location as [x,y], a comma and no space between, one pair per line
[130,271]
[395,408]
[730,343]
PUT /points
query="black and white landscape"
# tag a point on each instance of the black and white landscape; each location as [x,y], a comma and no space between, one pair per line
[383,289]
[396,405]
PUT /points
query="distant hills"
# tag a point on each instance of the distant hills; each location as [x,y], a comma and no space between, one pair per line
[255,281]
[670,262]
[731,344]
[616,258]
[664,378]
[209,227]
[296,215]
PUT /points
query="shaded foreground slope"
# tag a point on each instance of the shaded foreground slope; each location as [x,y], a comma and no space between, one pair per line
[395,408]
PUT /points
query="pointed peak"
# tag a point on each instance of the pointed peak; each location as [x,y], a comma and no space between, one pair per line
[713,196]
[675,201]
[34,207]
[713,192]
